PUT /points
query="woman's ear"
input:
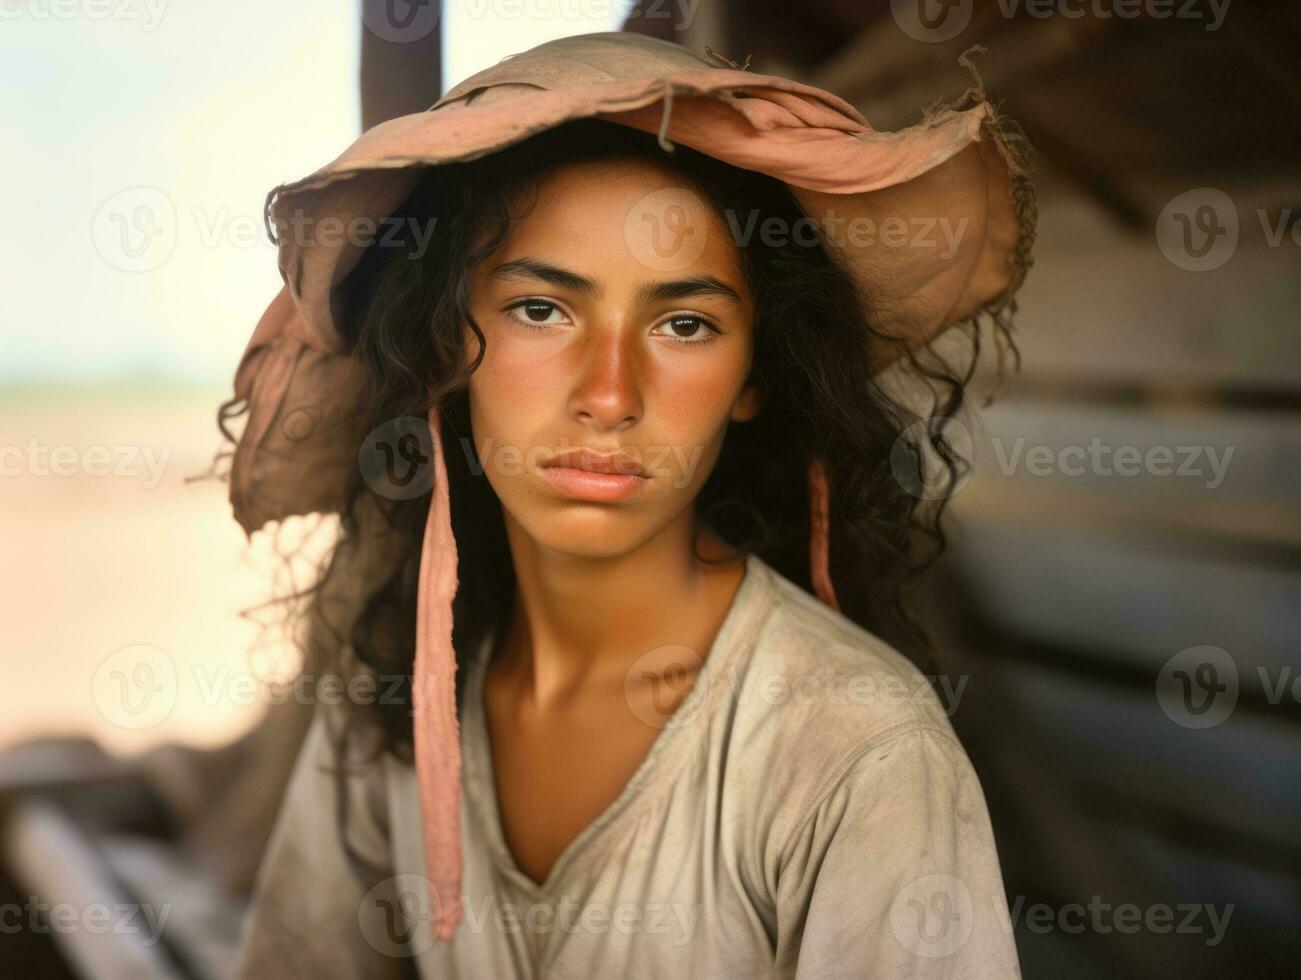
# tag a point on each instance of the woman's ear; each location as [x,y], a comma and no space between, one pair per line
[747,403]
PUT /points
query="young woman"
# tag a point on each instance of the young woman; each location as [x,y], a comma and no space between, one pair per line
[653,436]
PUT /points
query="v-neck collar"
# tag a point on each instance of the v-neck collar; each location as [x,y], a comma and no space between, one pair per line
[668,752]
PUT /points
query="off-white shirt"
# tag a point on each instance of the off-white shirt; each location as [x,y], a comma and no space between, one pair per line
[806,812]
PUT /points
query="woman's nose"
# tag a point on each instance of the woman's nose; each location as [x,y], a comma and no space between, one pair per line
[607,392]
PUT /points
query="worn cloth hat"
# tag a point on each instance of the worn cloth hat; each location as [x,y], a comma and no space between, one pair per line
[963,165]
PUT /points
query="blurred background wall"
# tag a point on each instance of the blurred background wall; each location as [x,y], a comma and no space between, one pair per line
[1118,612]
[139,143]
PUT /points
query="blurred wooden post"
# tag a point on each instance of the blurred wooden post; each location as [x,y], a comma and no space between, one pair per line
[399,77]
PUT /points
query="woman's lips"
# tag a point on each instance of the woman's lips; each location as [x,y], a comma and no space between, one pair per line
[589,485]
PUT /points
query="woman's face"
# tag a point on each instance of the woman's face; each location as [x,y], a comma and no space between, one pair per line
[619,332]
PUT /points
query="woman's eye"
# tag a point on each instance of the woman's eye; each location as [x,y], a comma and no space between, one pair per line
[535,313]
[689,329]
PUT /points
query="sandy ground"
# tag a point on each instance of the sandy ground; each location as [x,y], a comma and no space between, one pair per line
[122,584]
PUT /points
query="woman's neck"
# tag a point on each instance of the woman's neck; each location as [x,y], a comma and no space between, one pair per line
[580,622]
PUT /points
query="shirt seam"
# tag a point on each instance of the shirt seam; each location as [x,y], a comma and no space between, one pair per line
[899,730]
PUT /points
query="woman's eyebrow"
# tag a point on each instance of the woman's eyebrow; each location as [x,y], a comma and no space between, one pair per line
[537,269]
[650,292]
[684,288]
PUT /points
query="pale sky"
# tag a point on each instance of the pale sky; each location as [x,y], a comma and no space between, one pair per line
[138,153]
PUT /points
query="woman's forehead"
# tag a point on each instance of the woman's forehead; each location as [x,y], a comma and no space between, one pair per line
[623,216]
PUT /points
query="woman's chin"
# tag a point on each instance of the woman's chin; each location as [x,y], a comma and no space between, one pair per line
[587,531]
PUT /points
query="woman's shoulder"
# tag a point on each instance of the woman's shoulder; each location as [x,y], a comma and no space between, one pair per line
[825,674]
[818,696]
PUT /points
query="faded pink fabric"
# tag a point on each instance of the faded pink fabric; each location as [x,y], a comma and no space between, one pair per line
[437,736]
[820,534]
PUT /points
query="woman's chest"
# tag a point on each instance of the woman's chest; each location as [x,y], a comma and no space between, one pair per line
[663,890]
[556,774]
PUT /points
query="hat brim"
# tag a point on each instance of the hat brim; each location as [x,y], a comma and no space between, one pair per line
[935,221]
[929,214]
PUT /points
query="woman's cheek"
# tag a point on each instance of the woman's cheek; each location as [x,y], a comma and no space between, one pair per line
[524,365]
[694,404]
[516,386]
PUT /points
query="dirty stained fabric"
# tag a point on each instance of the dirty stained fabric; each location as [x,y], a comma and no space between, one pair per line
[806,812]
